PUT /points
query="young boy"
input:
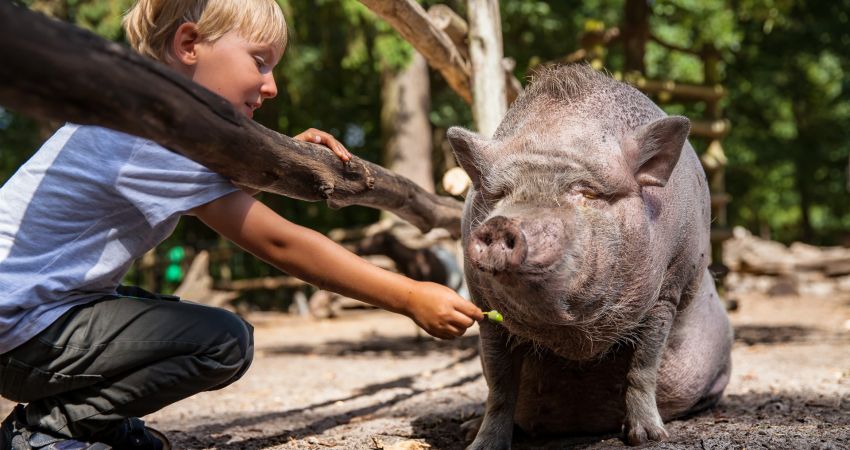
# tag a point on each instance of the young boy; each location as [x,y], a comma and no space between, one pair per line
[87,355]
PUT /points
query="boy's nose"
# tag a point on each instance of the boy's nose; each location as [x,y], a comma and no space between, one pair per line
[269,87]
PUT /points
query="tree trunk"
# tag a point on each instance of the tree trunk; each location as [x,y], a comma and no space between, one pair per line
[635,34]
[488,75]
[53,70]
[406,99]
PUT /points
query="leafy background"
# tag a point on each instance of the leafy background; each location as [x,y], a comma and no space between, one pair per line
[783,64]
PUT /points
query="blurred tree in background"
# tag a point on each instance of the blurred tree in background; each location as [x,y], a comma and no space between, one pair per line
[790,103]
[783,64]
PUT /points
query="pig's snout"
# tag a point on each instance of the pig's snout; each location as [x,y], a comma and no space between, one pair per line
[498,245]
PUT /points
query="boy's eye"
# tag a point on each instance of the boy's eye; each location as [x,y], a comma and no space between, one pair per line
[260,62]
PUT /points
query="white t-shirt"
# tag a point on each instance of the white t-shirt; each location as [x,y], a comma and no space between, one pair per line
[77,214]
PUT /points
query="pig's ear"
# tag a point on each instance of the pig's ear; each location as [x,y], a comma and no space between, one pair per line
[659,145]
[469,150]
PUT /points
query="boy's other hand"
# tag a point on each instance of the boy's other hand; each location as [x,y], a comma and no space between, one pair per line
[315,136]
[440,311]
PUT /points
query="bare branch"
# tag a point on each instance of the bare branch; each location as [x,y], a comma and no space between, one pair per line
[437,40]
[56,71]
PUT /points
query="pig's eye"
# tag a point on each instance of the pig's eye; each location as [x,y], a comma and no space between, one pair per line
[586,192]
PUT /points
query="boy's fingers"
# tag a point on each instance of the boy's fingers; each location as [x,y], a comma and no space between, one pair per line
[470,310]
[344,150]
[335,146]
[341,151]
[453,332]
[462,320]
[445,330]
[326,139]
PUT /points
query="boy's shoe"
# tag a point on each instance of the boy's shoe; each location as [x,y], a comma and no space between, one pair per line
[132,434]
[14,435]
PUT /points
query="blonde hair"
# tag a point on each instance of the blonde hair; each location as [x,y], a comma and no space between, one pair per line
[150,24]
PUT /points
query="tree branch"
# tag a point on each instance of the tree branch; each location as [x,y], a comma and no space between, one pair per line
[56,71]
[413,24]
[434,42]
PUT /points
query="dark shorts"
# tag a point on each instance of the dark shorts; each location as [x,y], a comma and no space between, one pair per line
[123,357]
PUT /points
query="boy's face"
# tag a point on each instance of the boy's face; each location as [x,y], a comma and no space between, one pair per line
[236,69]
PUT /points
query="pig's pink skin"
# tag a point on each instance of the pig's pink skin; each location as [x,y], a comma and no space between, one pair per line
[610,316]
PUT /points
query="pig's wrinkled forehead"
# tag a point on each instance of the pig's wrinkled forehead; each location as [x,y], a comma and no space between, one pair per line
[574,135]
[576,92]
[557,158]
[573,129]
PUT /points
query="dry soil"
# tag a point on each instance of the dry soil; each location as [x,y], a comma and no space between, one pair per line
[369,380]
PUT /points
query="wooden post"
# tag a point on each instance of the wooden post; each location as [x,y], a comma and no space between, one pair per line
[489,103]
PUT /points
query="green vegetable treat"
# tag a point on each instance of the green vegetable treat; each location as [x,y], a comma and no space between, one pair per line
[494,316]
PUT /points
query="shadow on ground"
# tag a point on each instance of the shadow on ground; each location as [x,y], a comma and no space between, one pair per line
[785,334]
[397,347]
[415,346]
[211,435]
[757,420]
[752,420]
[759,334]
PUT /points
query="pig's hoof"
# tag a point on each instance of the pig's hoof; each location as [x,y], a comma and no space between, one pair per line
[487,444]
[638,433]
[470,428]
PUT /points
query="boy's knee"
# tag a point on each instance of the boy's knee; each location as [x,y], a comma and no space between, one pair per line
[233,343]
[236,334]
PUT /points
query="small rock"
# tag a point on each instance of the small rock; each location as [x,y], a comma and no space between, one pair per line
[407,445]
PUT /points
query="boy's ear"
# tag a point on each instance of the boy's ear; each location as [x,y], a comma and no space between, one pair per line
[183,45]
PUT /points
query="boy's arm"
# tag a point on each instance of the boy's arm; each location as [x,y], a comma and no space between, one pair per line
[314,258]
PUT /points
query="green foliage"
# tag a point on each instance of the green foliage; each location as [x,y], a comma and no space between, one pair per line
[18,140]
[784,63]
[789,104]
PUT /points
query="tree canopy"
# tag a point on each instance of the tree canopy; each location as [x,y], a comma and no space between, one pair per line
[783,63]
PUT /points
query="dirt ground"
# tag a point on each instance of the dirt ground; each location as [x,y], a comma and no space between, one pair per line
[369,381]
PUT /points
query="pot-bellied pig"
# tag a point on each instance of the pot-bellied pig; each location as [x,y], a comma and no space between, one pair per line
[587,226]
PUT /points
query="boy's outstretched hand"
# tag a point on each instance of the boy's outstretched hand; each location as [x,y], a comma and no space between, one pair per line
[315,136]
[440,311]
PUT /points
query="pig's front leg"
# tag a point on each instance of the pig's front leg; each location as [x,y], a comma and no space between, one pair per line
[643,422]
[502,366]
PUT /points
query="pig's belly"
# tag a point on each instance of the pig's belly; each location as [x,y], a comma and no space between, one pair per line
[559,396]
